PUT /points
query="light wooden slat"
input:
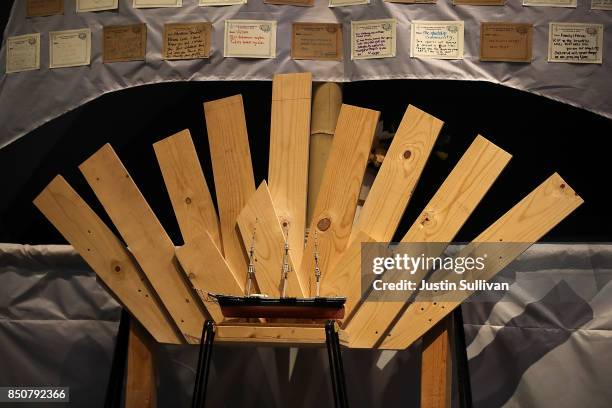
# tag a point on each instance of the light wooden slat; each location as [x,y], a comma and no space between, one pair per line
[186,185]
[289,148]
[525,223]
[106,255]
[398,175]
[145,237]
[386,201]
[260,214]
[140,383]
[440,221]
[335,209]
[233,173]
[436,367]
[208,271]
[271,333]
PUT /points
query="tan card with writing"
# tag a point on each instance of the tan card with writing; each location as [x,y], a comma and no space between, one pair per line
[187,40]
[303,3]
[479,2]
[316,41]
[37,8]
[511,42]
[412,1]
[125,43]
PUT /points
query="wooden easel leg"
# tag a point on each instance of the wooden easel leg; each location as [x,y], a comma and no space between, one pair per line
[140,384]
[436,367]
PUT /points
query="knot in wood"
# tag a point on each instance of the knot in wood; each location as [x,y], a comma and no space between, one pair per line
[407,154]
[324,224]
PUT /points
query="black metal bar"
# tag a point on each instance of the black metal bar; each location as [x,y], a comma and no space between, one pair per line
[116,379]
[329,330]
[206,345]
[335,365]
[462,370]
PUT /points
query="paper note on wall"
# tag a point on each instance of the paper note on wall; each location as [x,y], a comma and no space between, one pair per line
[437,39]
[601,4]
[550,3]
[316,41]
[510,42]
[575,42]
[373,39]
[69,48]
[37,8]
[340,3]
[187,40]
[96,5]
[124,43]
[23,53]
[250,39]
[220,2]
[157,3]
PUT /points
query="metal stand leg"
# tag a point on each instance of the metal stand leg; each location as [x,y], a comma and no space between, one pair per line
[201,380]
[335,365]
[117,375]
[464,386]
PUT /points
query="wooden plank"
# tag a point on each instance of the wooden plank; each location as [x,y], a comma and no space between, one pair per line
[289,144]
[386,201]
[260,215]
[273,333]
[233,173]
[335,209]
[525,223]
[145,237]
[440,221]
[208,271]
[140,383]
[107,256]
[436,368]
[398,175]
[186,185]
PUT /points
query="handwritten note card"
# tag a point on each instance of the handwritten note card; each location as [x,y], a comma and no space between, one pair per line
[23,53]
[437,39]
[220,2]
[412,1]
[601,4]
[575,42]
[37,8]
[250,39]
[157,3]
[69,48]
[302,3]
[373,39]
[316,41]
[511,42]
[96,5]
[550,3]
[124,43]
[340,3]
[187,40]
[479,2]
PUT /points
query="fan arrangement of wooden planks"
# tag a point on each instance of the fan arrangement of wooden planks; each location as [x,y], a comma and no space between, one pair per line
[159,283]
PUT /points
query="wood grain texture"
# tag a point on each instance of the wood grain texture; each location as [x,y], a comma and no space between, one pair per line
[260,215]
[145,237]
[436,367]
[272,333]
[289,148]
[398,175]
[440,221]
[335,209]
[140,382]
[525,223]
[208,271]
[233,172]
[186,185]
[107,256]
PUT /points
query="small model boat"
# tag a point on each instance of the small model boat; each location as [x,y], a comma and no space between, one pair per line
[261,306]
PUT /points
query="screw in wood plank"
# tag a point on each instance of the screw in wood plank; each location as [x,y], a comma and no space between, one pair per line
[188,200]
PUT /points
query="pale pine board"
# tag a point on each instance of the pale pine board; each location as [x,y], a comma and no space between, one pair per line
[525,223]
[145,237]
[107,256]
[269,244]
[440,221]
[289,148]
[140,385]
[398,175]
[337,200]
[233,172]
[208,271]
[271,333]
[437,367]
[187,188]
[386,201]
